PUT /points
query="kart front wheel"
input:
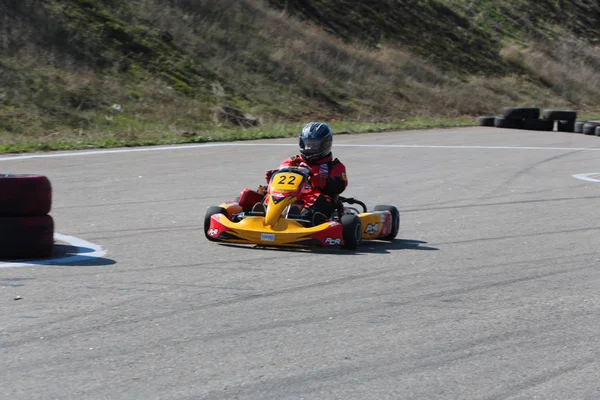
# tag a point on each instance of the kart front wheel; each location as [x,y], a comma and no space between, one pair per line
[395,220]
[351,231]
[209,213]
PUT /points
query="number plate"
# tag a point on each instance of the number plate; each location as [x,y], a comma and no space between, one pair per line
[286,182]
[267,237]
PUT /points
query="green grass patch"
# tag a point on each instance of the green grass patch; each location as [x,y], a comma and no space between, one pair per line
[588,116]
[151,135]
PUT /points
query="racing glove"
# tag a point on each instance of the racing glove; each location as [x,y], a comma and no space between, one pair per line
[269,174]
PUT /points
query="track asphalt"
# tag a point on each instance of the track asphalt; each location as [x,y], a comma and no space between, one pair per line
[491,290]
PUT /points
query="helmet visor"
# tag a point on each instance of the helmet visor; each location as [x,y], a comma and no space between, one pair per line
[312,146]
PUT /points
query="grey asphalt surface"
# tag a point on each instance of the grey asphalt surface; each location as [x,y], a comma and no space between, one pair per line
[491,291]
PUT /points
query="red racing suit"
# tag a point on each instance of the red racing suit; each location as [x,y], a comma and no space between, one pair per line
[329,178]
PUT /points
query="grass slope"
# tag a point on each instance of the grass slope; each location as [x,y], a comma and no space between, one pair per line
[78,73]
[427,27]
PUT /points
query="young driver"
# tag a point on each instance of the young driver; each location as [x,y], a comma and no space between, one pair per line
[329,174]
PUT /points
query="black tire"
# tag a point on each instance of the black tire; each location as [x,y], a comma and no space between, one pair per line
[501,122]
[26,237]
[521,112]
[351,231]
[25,195]
[395,220]
[589,128]
[560,115]
[565,126]
[579,126]
[486,121]
[597,131]
[209,213]
[538,125]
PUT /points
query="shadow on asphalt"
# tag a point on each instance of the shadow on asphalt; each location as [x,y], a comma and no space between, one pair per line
[374,247]
[69,256]
[396,244]
[64,250]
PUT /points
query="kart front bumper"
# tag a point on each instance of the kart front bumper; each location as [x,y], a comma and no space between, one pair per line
[252,230]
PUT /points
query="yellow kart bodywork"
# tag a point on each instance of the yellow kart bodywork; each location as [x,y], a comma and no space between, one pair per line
[274,226]
[285,232]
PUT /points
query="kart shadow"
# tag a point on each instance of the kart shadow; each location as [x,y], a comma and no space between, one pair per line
[375,247]
[396,244]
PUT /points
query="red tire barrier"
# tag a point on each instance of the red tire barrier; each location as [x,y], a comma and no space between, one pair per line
[26,237]
[24,195]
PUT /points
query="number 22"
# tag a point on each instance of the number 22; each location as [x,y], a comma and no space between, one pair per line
[290,182]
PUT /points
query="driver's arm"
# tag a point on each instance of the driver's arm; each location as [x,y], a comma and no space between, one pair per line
[337,181]
[286,163]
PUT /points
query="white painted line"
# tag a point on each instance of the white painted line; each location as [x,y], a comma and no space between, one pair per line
[416,146]
[237,144]
[591,177]
[81,254]
[113,151]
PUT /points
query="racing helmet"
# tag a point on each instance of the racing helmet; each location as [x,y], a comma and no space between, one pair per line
[315,141]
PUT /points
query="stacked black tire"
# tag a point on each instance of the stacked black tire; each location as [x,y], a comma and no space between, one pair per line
[529,118]
[565,119]
[589,127]
[26,229]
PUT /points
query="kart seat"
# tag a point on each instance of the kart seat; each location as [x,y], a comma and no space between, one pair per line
[248,198]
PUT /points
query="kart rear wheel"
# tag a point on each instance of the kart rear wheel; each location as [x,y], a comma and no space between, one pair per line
[351,231]
[395,220]
[209,213]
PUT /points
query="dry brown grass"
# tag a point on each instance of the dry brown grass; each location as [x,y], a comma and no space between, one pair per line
[571,68]
[273,66]
[281,58]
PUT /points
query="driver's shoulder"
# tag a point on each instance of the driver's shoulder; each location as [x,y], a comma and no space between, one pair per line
[336,163]
[293,160]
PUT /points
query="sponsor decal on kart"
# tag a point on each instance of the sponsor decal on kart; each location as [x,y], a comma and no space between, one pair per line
[213,232]
[267,237]
[330,236]
[333,242]
[372,229]
[387,224]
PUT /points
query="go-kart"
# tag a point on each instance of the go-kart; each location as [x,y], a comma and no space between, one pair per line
[278,220]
